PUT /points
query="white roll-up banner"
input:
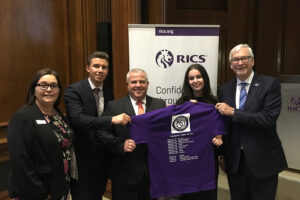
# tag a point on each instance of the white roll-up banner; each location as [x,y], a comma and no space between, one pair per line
[166,51]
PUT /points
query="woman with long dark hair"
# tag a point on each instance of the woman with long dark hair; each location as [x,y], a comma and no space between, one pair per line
[196,88]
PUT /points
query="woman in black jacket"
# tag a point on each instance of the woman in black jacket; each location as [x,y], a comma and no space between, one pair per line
[40,143]
[196,88]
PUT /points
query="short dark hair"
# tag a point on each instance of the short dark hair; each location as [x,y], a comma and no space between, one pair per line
[30,99]
[97,54]
[187,91]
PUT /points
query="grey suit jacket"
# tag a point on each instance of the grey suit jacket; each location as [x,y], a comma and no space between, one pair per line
[254,128]
[126,168]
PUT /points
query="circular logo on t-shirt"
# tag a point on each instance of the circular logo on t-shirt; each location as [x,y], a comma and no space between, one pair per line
[180,123]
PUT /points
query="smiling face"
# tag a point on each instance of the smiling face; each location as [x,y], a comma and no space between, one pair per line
[196,82]
[98,70]
[47,97]
[137,85]
[242,63]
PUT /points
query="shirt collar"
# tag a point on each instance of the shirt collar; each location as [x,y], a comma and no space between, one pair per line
[93,86]
[134,101]
[248,80]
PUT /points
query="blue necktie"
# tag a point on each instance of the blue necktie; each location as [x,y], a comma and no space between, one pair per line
[243,95]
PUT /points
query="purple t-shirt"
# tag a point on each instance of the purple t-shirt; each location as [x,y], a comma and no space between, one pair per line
[180,149]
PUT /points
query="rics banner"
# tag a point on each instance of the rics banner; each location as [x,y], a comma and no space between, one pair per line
[166,51]
[288,124]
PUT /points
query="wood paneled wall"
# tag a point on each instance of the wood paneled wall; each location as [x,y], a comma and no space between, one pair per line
[123,13]
[270,27]
[35,34]
[290,59]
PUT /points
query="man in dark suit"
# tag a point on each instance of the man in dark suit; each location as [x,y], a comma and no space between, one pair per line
[129,168]
[84,108]
[253,150]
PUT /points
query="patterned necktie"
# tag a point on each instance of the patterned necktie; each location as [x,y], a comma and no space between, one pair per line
[97,92]
[243,95]
[140,107]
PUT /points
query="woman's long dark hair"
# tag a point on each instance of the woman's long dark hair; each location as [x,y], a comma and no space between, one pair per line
[187,91]
[30,99]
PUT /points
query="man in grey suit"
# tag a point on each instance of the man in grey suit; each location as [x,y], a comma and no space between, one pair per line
[84,109]
[129,168]
[253,150]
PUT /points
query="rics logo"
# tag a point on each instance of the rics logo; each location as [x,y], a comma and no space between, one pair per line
[294,105]
[164,58]
[180,123]
[295,101]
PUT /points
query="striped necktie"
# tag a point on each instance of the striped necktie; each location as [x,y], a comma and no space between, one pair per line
[243,95]
[97,93]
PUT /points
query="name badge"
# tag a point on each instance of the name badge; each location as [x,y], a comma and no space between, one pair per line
[41,121]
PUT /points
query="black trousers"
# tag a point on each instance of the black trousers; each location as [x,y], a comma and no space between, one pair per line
[140,191]
[91,187]
[205,195]
[244,185]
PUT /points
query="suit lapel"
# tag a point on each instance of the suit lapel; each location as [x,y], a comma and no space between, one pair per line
[233,91]
[88,93]
[148,103]
[106,97]
[128,106]
[253,90]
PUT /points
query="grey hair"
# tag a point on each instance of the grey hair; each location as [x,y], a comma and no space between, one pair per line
[238,47]
[136,70]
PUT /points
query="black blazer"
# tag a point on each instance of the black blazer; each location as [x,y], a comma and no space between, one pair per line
[255,127]
[82,111]
[129,167]
[35,157]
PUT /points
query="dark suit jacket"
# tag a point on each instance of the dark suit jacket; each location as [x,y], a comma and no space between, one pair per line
[255,127]
[129,167]
[35,157]
[82,110]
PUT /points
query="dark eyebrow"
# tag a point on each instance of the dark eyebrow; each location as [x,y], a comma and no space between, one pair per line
[44,82]
[97,65]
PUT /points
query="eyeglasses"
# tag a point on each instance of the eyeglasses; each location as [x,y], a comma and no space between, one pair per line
[243,59]
[44,86]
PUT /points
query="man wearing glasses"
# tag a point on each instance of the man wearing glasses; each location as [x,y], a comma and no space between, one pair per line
[253,150]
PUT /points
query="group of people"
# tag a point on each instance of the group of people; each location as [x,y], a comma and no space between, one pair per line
[52,154]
